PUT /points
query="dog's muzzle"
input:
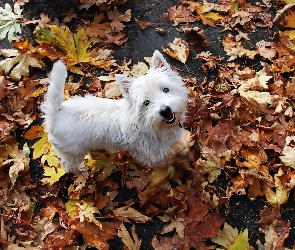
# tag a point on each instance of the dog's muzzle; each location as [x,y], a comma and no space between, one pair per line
[167,114]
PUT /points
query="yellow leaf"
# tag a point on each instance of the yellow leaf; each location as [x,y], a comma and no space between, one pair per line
[52,175]
[241,242]
[291,35]
[280,195]
[51,157]
[75,46]
[72,208]
[41,147]
[229,238]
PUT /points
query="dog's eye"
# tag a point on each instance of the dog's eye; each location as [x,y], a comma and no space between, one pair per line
[146,102]
[165,90]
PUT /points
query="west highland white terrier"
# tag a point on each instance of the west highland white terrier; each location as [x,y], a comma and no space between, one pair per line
[145,122]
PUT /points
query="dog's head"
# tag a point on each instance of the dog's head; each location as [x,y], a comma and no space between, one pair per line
[158,99]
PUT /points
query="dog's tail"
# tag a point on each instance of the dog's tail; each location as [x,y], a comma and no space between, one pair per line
[55,93]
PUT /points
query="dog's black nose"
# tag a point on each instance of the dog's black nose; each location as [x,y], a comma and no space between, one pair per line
[165,111]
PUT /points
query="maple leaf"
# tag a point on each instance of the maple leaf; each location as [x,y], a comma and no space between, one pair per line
[52,175]
[24,58]
[131,244]
[75,46]
[180,50]
[9,22]
[231,239]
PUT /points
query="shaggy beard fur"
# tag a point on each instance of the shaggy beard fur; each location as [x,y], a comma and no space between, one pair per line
[145,122]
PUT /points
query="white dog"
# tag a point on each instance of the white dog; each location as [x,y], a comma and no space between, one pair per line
[145,122]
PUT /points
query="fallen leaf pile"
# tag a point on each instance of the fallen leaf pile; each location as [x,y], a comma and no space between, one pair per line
[240,114]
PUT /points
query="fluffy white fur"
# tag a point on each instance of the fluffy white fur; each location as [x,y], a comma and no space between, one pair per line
[145,122]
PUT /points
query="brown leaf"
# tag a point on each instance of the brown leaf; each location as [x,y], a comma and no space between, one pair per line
[143,25]
[180,15]
[131,244]
[128,213]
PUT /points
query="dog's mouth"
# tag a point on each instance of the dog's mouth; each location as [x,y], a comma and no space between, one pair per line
[170,119]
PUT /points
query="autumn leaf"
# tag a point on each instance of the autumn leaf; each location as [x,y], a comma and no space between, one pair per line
[289,19]
[75,46]
[180,50]
[204,11]
[133,243]
[288,153]
[52,175]
[231,239]
[83,210]
[278,196]
[24,58]
[178,225]
[19,161]
[235,49]
[44,148]
[10,22]
[180,15]
[34,132]
[128,213]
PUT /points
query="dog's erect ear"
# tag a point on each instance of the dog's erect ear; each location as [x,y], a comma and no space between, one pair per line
[158,61]
[125,83]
